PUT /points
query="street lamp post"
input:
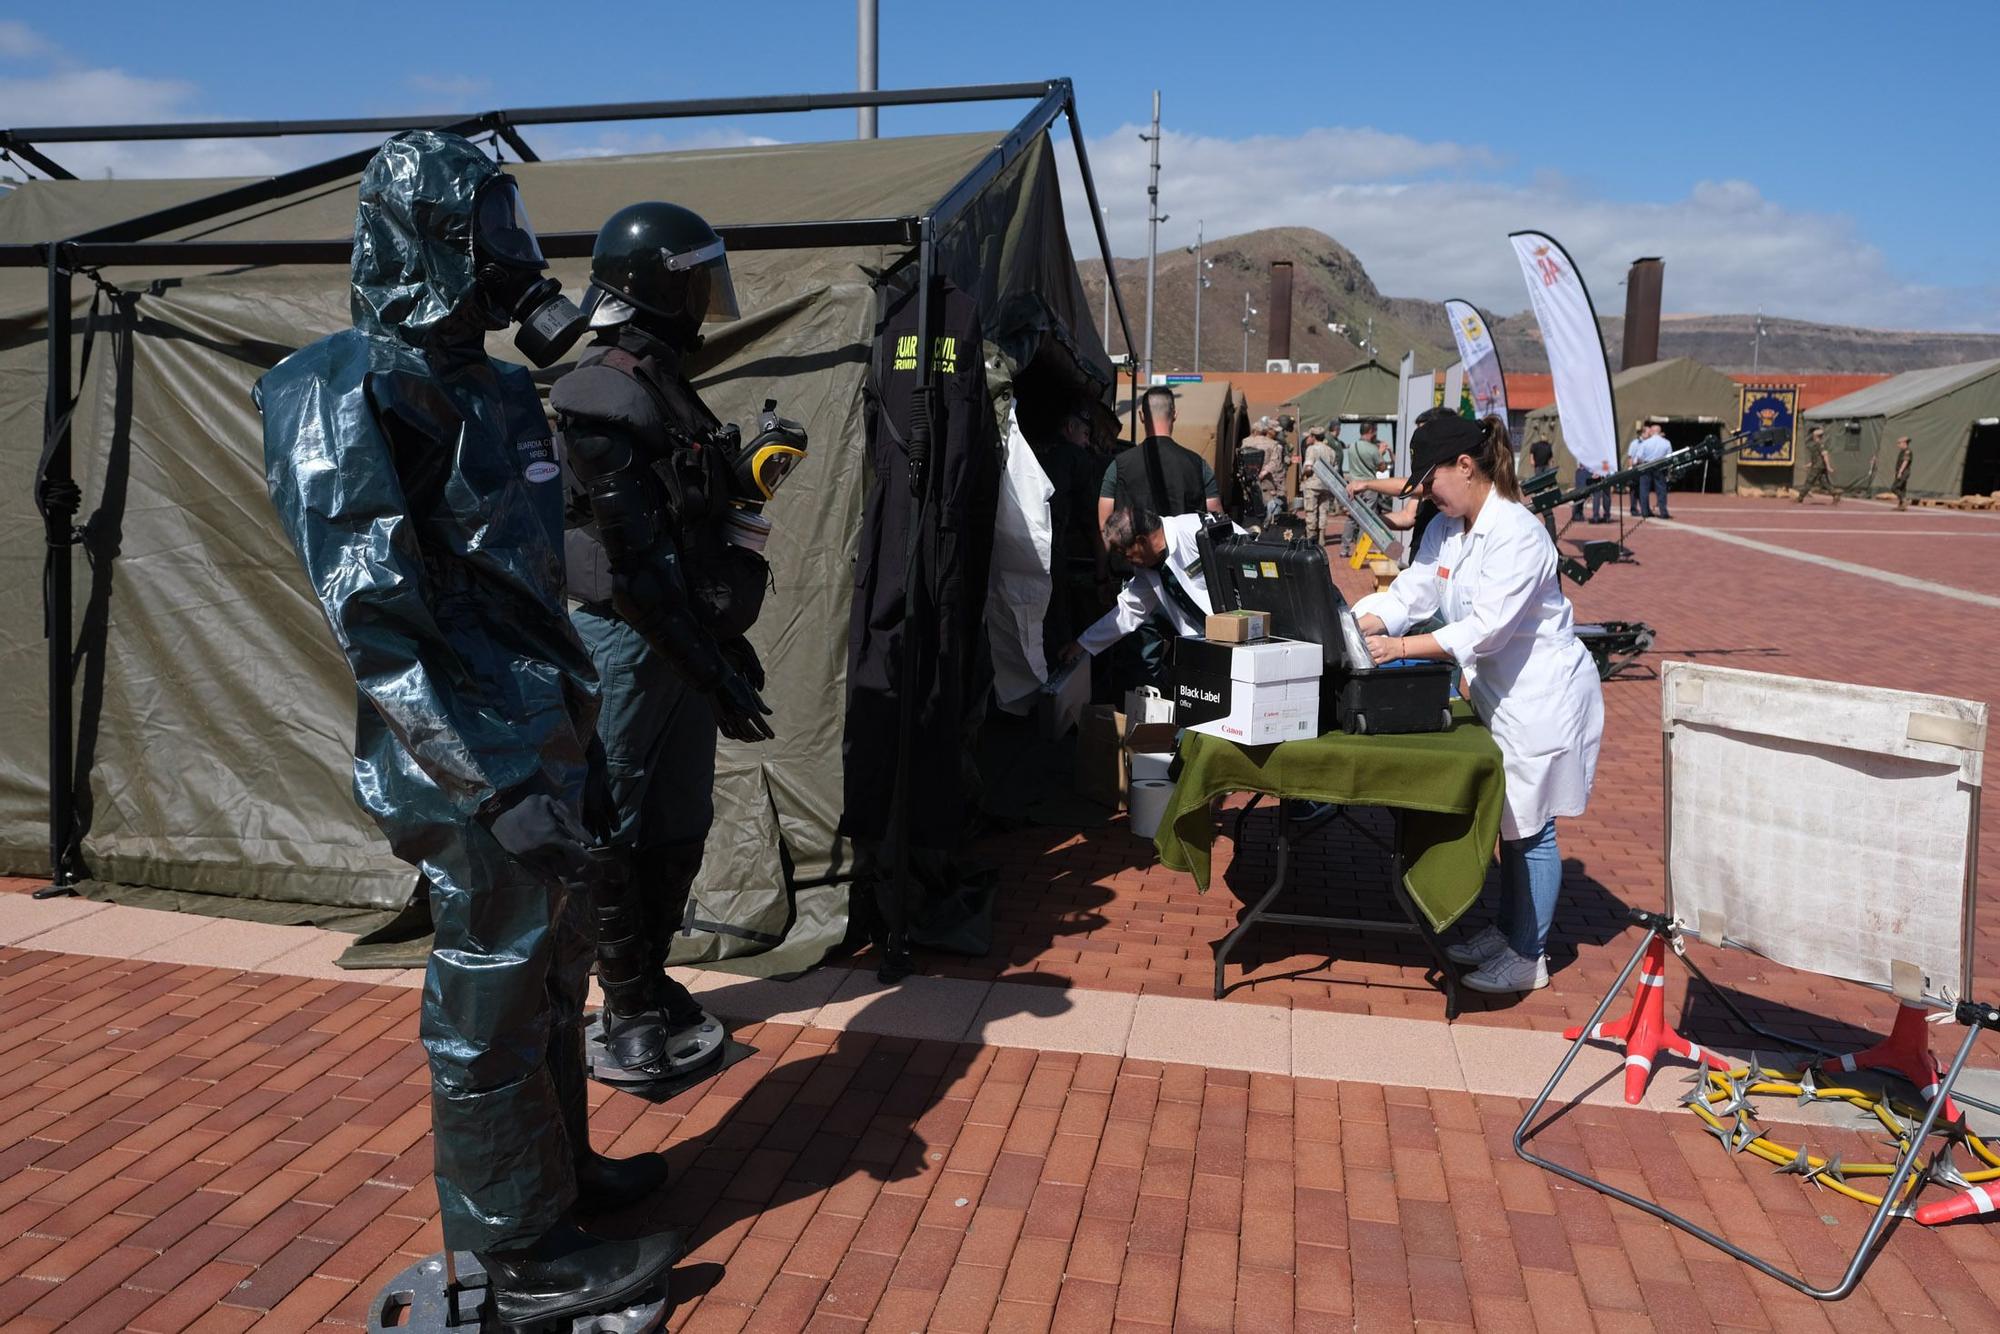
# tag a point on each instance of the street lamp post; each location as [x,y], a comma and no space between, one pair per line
[1107,281]
[866,53]
[1153,220]
[1200,281]
[1248,311]
[1757,342]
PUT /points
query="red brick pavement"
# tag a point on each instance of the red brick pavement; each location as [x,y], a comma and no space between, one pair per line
[1094,908]
[194,1148]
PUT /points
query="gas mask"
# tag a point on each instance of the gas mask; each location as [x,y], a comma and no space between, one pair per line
[513,278]
[762,465]
[759,468]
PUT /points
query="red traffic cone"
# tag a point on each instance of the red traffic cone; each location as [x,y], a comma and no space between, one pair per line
[1968,1203]
[1643,1032]
[1906,1052]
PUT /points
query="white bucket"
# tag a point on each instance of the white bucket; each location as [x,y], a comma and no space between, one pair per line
[1146,803]
[1148,766]
[748,529]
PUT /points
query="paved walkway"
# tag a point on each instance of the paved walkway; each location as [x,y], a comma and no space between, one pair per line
[197,1148]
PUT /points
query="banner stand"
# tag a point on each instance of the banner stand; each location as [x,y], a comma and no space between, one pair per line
[1660,933]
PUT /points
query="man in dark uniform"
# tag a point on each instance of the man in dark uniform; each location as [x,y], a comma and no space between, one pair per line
[665,596]
[1900,485]
[1166,478]
[1819,467]
[414,475]
[1158,474]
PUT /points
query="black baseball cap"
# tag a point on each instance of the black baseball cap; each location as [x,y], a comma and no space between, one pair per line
[1438,441]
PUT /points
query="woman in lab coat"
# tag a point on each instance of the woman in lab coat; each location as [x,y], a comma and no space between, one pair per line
[1487,567]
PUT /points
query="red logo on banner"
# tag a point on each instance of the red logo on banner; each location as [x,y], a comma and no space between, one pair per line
[1546,265]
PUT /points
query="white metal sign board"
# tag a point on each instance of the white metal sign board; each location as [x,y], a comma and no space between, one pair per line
[1831,828]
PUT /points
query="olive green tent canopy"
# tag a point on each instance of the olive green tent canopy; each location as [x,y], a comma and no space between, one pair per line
[1365,390]
[214,715]
[1678,389]
[1942,409]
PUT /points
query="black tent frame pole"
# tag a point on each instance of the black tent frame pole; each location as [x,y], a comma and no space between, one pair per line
[22,139]
[57,607]
[919,616]
[1097,223]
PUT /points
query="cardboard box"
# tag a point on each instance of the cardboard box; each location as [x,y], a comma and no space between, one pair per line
[1106,740]
[1238,627]
[1255,694]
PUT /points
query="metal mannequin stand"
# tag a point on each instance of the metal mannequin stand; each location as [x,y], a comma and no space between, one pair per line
[448,1292]
[703,1051]
[1294,830]
[1974,1016]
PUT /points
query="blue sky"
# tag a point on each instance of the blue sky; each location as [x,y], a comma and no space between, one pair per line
[1830,161]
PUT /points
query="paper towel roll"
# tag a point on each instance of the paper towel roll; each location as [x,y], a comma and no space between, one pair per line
[1146,803]
[1149,767]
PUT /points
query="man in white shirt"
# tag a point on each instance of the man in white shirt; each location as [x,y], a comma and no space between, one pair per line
[1165,555]
[1651,446]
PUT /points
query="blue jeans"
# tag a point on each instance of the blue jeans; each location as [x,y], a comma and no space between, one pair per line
[1530,880]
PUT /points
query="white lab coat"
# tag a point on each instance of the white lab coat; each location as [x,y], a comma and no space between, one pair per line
[1143,594]
[1510,630]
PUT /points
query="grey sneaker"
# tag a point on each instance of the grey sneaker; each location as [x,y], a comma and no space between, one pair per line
[1478,948]
[1507,973]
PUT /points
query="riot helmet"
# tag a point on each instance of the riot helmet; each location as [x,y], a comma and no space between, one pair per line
[662,266]
[513,277]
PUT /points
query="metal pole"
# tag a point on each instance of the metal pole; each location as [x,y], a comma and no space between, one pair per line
[1107,290]
[1152,232]
[1248,311]
[1199,281]
[867,50]
[1757,342]
[56,606]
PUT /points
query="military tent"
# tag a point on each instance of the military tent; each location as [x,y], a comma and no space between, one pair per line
[1365,391]
[1950,413]
[1690,400]
[213,714]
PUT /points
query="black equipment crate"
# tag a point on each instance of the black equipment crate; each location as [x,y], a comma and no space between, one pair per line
[1413,697]
[1292,581]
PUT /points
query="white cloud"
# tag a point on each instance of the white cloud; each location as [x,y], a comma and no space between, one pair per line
[20,42]
[1431,220]
[60,90]
[618,142]
[460,90]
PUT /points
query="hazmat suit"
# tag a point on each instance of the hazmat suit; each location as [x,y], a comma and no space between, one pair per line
[418,480]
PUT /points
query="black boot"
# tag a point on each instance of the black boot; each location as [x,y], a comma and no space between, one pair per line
[604,1185]
[567,1272]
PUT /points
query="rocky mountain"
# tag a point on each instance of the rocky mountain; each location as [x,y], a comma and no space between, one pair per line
[1334,301]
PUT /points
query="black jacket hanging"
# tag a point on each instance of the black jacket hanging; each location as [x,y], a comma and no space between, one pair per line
[953,552]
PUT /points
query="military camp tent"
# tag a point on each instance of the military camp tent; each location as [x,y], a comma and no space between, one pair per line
[1690,400]
[214,716]
[1365,391]
[1950,413]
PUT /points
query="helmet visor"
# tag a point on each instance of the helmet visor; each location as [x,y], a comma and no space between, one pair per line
[710,293]
[501,229]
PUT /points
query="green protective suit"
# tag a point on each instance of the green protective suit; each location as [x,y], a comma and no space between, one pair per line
[418,480]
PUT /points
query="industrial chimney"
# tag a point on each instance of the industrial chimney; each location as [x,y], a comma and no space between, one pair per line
[1281,310]
[1642,312]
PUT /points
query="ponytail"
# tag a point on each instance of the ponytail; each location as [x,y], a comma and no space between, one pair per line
[1496,458]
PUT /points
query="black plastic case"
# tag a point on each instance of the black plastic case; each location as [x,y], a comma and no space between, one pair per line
[1292,581]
